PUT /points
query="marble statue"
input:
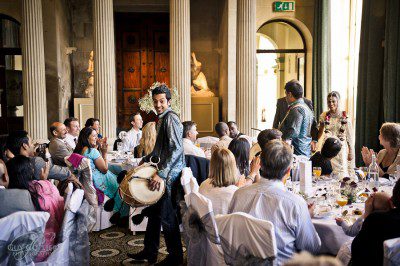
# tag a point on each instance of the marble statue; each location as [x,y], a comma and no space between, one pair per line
[89,91]
[199,81]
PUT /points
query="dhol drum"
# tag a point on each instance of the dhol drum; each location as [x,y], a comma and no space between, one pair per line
[134,188]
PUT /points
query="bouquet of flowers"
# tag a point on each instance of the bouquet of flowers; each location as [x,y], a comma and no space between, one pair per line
[349,189]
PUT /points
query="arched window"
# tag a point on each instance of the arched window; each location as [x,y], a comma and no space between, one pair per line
[281,56]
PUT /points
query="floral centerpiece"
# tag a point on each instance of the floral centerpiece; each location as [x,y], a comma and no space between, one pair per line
[146,102]
[349,189]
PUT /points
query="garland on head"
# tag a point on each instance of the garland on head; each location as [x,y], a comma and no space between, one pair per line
[146,102]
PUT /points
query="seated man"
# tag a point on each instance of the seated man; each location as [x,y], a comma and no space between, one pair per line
[12,200]
[58,148]
[367,246]
[269,200]
[135,134]
[189,138]
[72,125]
[222,130]
[19,142]
[234,132]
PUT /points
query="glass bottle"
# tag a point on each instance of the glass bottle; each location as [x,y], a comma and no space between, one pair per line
[373,172]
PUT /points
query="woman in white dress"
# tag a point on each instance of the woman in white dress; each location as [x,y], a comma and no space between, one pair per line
[335,122]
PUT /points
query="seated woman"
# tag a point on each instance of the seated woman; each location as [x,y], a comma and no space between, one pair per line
[103,179]
[330,149]
[45,197]
[220,185]
[389,157]
[148,140]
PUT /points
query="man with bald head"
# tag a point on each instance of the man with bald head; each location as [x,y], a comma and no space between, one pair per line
[222,130]
[58,147]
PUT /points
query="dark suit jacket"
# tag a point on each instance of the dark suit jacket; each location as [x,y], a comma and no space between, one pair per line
[14,200]
[281,110]
[367,246]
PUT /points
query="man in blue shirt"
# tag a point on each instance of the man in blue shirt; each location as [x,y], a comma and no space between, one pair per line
[296,126]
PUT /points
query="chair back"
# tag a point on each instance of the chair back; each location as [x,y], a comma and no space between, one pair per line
[201,232]
[391,252]
[246,240]
[24,230]
[84,173]
[189,183]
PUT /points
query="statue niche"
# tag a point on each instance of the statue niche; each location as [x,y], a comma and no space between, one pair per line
[199,81]
[89,91]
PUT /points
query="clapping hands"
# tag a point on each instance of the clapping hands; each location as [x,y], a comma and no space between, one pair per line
[367,155]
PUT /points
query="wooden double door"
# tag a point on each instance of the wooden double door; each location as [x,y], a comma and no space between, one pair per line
[142,57]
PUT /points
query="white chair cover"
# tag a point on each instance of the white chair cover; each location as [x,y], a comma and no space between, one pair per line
[189,183]
[73,241]
[344,254]
[19,235]
[201,232]
[246,240]
[84,173]
[69,194]
[391,252]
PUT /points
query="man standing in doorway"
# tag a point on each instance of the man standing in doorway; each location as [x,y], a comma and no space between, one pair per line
[169,149]
[135,134]
[296,126]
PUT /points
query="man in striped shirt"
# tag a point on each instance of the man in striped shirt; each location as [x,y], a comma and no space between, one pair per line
[269,200]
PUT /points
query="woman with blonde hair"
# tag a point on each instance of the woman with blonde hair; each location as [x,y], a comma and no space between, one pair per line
[148,140]
[220,186]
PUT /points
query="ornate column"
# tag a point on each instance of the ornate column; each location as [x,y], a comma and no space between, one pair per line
[34,82]
[246,86]
[105,107]
[180,53]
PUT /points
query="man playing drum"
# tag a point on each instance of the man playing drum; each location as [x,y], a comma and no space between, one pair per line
[169,149]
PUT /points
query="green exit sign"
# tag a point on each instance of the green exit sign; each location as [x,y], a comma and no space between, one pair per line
[284,6]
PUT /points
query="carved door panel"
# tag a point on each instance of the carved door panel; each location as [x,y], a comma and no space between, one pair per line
[142,55]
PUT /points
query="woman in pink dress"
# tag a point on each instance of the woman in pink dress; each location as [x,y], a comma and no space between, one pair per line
[45,197]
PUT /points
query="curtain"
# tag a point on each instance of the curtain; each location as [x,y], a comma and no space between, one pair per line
[391,76]
[370,101]
[321,55]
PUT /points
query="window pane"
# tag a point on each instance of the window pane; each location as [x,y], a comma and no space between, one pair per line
[14,85]
[10,33]
[283,35]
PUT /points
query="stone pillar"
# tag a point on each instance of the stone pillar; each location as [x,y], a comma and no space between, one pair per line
[105,107]
[34,82]
[246,83]
[180,53]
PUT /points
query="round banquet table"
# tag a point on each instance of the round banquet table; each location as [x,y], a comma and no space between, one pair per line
[332,236]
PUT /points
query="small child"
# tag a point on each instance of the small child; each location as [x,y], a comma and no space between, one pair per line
[380,202]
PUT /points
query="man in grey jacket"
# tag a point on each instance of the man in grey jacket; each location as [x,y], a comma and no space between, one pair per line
[19,142]
[58,147]
[12,200]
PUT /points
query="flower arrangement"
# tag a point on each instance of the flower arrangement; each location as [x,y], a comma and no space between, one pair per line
[146,102]
[349,189]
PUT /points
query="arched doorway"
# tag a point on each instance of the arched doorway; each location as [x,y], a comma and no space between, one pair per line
[281,56]
[11,101]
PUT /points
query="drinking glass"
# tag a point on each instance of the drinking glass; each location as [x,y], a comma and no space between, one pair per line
[341,201]
[317,171]
[120,147]
[364,176]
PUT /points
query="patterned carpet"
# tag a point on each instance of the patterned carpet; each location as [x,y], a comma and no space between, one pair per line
[110,246]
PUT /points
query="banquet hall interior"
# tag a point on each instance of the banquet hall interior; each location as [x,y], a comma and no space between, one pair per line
[200,132]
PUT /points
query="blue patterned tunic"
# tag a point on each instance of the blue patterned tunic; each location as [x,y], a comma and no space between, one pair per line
[297,127]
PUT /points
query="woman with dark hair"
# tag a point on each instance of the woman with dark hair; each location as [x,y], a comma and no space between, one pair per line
[330,149]
[240,148]
[103,179]
[45,197]
[95,124]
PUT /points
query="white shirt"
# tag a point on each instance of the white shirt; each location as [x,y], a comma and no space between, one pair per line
[269,200]
[220,196]
[190,149]
[2,187]
[133,137]
[70,140]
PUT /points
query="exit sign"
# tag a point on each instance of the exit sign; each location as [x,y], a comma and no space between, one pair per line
[284,6]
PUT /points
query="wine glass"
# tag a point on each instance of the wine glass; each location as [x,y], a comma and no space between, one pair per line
[317,171]
[363,177]
[341,201]
[120,147]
